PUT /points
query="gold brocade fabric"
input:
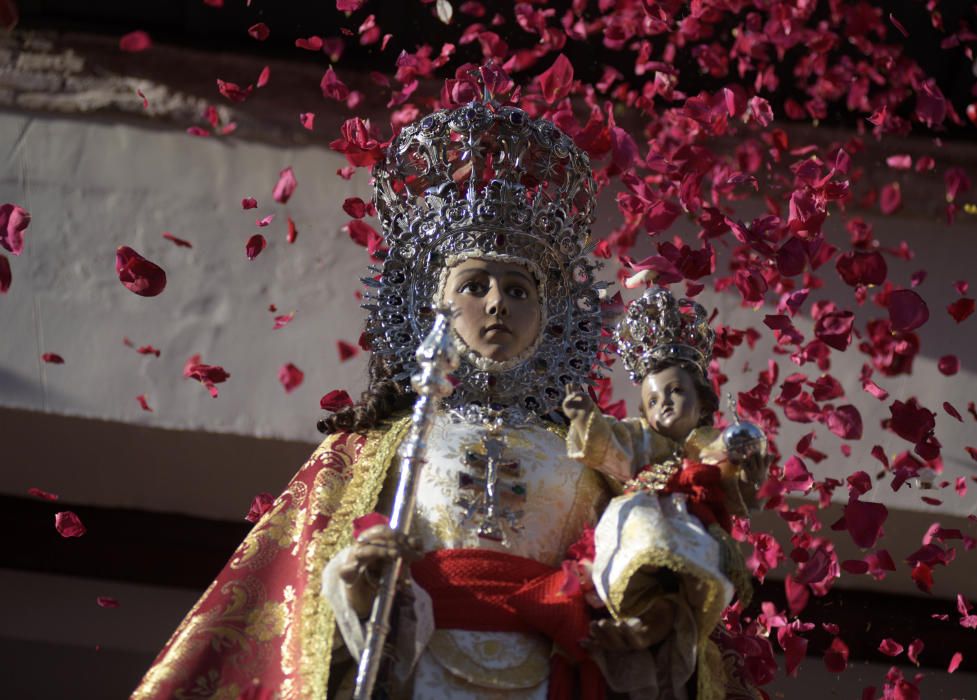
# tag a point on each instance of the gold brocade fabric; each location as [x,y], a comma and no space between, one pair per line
[261,627]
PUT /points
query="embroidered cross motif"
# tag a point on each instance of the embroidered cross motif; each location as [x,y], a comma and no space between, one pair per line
[491,480]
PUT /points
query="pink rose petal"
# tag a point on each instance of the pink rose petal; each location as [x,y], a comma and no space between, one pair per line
[136,41]
[14,220]
[290,377]
[179,242]
[283,320]
[264,221]
[365,522]
[263,77]
[955,662]
[557,80]
[52,358]
[208,375]
[890,647]
[68,524]
[335,400]
[41,493]
[260,505]
[285,186]
[293,232]
[143,403]
[259,31]
[104,601]
[233,91]
[949,365]
[332,87]
[249,203]
[307,120]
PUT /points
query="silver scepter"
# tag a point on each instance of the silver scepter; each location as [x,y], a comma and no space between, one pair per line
[436,357]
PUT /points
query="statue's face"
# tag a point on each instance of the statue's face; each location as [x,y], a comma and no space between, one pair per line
[671,402]
[497,307]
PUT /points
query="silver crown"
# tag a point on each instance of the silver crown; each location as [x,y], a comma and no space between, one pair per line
[657,327]
[488,181]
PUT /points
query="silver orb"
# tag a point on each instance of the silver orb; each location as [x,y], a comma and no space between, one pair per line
[744,440]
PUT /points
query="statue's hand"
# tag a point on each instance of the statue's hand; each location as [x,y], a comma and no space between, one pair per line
[373,551]
[634,633]
[577,405]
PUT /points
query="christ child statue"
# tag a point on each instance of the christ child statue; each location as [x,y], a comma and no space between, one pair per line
[663,552]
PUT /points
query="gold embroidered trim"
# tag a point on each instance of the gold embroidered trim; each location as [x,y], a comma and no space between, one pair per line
[359,497]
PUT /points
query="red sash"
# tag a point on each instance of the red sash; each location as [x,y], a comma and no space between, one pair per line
[482,590]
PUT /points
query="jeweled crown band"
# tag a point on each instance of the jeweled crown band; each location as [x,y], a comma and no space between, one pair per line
[658,328]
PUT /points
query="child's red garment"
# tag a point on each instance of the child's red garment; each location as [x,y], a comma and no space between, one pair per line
[702,483]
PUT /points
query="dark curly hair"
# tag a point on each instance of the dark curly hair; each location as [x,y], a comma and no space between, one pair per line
[708,399]
[382,398]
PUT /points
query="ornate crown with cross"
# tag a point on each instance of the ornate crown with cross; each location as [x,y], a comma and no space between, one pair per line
[657,327]
[488,181]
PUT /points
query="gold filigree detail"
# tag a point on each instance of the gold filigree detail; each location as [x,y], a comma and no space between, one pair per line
[267,622]
[528,673]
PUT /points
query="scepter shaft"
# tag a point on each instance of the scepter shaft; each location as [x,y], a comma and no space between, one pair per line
[436,357]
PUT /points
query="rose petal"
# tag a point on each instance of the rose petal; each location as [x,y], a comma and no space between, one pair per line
[285,186]
[961,309]
[890,199]
[263,77]
[6,278]
[836,657]
[137,274]
[864,521]
[136,41]
[260,505]
[834,329]
[104,601]
[14,220]
[259,31]
[332,87]
[293,232]
[949,365]
[208,375]
[914,650]
[365,522]
[264,221]
[557,80]
[346,350]
[143,403]
[307,120]
[249,203]
[52,358]
[907,310]
[283,320]
[179,242]
[890,647]
[40,493]
[845,422]
[335,400]
[68,524]
[233,91]
[254,246]
[290,377]
[955,662]
[312,43]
